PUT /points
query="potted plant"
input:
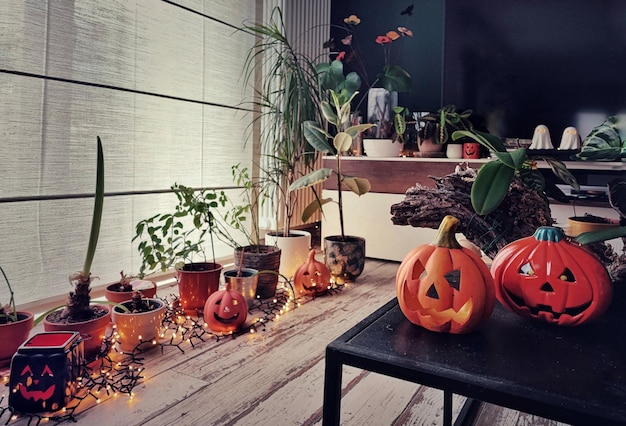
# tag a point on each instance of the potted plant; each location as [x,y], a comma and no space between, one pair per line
[344,254]
[79,314]
[122,290]
[137,320]
[176,240]
[287,97]
[15,326]
[436,129]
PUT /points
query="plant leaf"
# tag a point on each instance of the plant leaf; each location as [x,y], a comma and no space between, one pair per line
[395,79]
[342,141]
[313,207]
[491,186]
[357,185]
[316,136]
[311,179]
[605,234]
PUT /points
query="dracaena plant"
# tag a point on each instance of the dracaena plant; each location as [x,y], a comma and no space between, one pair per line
[8,313]
[337,114]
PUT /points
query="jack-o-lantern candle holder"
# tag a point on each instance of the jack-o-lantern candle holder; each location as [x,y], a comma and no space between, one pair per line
[225,311]
[549,278]
[443,286]
[312,277]
[44,372]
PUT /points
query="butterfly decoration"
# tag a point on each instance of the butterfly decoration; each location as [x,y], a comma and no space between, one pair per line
[408,11]
[347,40]
[329,44]
[405,31]
[352,20]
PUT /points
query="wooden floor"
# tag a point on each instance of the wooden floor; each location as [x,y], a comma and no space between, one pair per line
[275,377]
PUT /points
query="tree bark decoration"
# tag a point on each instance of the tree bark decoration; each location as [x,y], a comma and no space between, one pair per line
[519,215]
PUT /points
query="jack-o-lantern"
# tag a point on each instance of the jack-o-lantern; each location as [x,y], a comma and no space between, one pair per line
[443,286]
[552,279]
[312,277]
[225,310]
[471,150]
[44,372]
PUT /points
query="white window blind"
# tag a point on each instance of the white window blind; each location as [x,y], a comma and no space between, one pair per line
[159,82]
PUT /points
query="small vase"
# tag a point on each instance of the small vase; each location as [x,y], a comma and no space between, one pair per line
[345,258]
[381,148]
[429,146]
[454,150]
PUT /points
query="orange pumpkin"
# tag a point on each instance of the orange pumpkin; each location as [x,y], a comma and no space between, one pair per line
[225,310]
[312,277]
[547,277]
[443,286]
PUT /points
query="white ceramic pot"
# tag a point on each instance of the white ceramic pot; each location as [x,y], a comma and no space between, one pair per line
[454,150]
[134,328]
[381,148]
[294,250]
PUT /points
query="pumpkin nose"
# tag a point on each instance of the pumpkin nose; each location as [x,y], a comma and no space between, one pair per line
[36,381]
[547,288]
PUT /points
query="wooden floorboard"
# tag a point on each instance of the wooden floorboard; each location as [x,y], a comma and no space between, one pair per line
[275,377]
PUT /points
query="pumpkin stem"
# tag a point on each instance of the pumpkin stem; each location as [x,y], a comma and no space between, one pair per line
[446,233]
[549,233]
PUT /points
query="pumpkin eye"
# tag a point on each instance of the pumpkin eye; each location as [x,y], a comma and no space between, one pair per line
[567,275]
[432,292]
[47,371]
[454,278]
[527,270]
[26,370]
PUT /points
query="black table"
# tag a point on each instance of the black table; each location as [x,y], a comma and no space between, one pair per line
[575,375]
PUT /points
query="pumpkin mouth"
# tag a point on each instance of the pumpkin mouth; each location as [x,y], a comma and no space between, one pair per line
[535,310]
[37,395]
[226,320]
[460,317]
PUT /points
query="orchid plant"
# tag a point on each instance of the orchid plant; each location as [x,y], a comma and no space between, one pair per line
[392,78]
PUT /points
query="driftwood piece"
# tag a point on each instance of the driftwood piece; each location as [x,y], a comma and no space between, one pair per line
[522,211]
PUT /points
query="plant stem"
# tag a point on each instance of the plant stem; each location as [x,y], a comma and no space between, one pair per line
[97,212]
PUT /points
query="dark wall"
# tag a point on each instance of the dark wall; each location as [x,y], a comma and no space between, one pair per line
[522,63]
[420,55]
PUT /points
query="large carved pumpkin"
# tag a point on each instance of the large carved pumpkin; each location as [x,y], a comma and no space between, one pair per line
[312,277]
[225,310]
[550,278]
[443,286]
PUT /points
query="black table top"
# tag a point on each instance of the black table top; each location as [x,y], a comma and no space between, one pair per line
[576,375]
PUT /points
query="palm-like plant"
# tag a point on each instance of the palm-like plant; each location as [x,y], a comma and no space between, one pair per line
[287,96]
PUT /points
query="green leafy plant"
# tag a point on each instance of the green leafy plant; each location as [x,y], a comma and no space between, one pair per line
[442,124]
[606,142]
[336,114]
[494,178]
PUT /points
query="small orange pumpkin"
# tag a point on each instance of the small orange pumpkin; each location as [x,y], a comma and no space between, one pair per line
[443,286]
[225,310]
[312,277]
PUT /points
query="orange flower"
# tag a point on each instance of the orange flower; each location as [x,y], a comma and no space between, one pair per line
[352,20]
[393,35]
[383,40]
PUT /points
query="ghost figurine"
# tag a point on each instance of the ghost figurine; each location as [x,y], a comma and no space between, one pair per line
[570,139]
[541,138]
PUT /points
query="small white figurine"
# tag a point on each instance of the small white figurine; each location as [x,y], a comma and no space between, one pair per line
[570,139]
[541,138]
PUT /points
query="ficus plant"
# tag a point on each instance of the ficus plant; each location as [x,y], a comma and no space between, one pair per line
[337,114]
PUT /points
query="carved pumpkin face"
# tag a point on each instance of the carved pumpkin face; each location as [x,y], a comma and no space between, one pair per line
[312,277]
[444,287]
[471,150]
[548,278]
[225,310]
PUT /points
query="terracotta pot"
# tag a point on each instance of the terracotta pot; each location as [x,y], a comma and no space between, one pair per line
[429,145]
[578,224]
[134,328]
[147,289]
[261,258]
[345,258]
[246,283]
[13,334]
[196,281]
[91,331]
[294,249]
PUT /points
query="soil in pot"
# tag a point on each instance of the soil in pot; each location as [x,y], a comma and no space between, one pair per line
[92,330]
[13,334]
[261,258]
[345,258]
[196,281]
